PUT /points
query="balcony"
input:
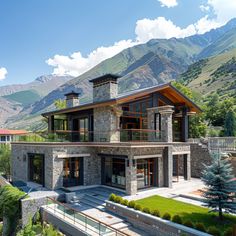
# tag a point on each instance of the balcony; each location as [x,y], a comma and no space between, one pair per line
[124,135]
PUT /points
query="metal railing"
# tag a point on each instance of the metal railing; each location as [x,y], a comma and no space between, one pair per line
[226,144]
[122,135]
[83,221]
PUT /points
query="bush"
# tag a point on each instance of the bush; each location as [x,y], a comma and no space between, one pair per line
[177,219]
[214,231]
[131,204]
[118,199]
[146,210]
[228,232]
[200,227]
[166,216]
[112,197]
[155,213]
[188,223]
[125,202]
[138,207]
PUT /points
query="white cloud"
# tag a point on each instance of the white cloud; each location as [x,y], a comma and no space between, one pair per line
[224,10]
[160,27]
[168,3]
[76,64]
[204,8]
[3,73]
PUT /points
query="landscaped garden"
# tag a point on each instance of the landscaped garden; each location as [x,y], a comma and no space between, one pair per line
[182,213]
[187,212]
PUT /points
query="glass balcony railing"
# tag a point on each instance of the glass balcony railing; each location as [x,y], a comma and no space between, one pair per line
[82,221]
[123,135]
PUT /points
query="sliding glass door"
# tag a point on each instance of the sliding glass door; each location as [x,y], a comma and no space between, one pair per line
[73,172]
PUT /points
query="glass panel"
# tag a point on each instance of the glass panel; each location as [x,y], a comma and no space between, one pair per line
[72,172]
[145,174]
[115,172]
[83,129]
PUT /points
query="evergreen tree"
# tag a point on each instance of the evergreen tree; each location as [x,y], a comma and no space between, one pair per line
[230,124]
[221,187]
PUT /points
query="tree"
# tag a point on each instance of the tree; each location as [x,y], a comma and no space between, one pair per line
[230,124]
[60,104]
[5,164]
[221,187]
[197,126]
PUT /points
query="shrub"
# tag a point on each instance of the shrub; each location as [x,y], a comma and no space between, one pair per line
[118,199]
[112,197]
[138,207]
[131,204]
[228,232]
[214,231]
[166,216]
[188,223]
[177,219]
[146,210]
[155,213]
[125,202]
[200,227]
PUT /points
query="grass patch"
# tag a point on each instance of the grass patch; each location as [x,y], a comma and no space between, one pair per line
[186,211]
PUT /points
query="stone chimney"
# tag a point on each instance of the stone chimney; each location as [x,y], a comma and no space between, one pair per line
[72,99]
[105,87]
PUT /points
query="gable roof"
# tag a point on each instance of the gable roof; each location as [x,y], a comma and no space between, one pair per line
[167,90]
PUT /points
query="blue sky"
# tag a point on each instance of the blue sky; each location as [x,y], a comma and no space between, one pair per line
[71,36]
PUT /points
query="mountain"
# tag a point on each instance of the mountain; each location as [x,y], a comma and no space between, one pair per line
[155,62]
[18,97]
[213,74]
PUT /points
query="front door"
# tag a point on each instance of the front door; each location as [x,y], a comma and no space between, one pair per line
[36,168]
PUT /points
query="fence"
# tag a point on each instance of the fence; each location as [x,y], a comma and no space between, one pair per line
[85,223]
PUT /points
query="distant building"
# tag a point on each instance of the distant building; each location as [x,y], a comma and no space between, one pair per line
[7,136]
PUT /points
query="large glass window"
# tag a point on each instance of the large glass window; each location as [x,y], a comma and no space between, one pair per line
[36,168]
[114,172]
[83,129]
[145,173]
[72,172]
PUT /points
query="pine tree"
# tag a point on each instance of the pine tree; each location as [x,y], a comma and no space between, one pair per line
[221,186]
[230,124]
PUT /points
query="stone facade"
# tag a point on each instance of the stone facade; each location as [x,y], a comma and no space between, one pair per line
[54,155]
[165,113]
[105,91]
[106,124]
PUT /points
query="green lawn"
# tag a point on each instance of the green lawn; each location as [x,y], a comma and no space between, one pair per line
[186,211]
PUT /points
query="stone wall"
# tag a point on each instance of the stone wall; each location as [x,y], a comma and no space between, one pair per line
[106,124]
[151,224]
[199,156]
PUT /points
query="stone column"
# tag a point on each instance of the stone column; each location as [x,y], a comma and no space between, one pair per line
[187,167]
[152,124]
[185,126]
[106,124]
[131,176]
[160,176]
[167,166]
[166,123]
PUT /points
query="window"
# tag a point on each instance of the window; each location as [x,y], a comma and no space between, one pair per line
[36,168]
[83,129]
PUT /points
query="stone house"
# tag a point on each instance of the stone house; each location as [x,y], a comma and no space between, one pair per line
[130,141]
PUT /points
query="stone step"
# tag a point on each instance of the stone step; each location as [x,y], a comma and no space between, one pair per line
[121,225]
[97,200]
[92,204]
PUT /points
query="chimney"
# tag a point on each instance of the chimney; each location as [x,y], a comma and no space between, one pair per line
[105,87]
[72,99]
